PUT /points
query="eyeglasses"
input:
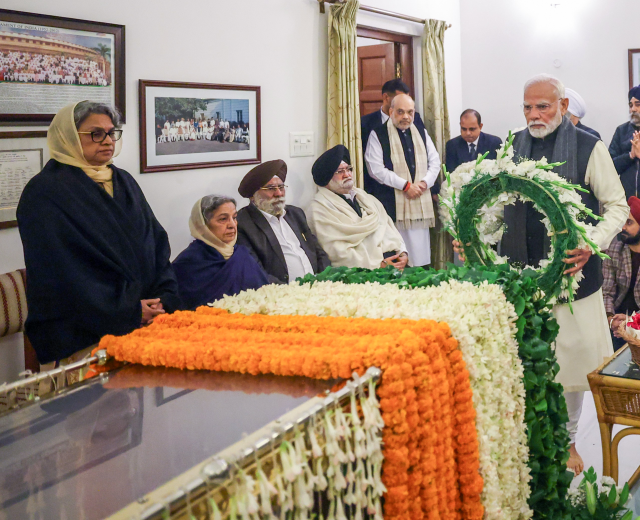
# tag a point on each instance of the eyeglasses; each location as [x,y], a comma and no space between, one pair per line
[273,189]
[542,108]
[342,171]
[98,136]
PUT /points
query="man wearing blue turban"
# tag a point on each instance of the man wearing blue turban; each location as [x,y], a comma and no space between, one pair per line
[625,146]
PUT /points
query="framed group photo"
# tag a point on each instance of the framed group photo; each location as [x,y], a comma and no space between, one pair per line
[186,126]
[634,68]
[48,62]
[22,155]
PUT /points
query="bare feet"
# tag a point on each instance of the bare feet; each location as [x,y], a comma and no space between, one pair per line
[575,462]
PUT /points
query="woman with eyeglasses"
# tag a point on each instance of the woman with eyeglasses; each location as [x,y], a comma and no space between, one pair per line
[97,259]
[213,265]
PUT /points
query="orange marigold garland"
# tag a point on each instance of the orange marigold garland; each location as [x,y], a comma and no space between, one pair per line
[431,457]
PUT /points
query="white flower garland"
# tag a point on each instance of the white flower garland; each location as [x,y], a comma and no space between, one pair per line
[482,321]
[347,467]
[490,226]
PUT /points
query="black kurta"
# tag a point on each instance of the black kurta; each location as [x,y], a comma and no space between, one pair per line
[90,259]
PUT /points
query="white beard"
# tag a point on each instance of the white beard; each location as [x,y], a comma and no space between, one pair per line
[549,128]
[342,187]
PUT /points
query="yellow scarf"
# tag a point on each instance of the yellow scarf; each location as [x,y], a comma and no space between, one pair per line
[65,147]
[199,230]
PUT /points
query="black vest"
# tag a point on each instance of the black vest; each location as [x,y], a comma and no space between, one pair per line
[592,270]
[386,194]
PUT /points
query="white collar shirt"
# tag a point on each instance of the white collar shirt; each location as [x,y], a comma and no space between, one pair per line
[385,117]
[475,143]
[298,263]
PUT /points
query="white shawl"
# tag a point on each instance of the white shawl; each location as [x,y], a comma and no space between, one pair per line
[348,239]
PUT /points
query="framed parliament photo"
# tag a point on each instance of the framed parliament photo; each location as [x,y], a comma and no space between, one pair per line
[22,155]
[48,62]
[185,126]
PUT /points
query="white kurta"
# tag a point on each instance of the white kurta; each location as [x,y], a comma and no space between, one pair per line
[418,241]
[584,340]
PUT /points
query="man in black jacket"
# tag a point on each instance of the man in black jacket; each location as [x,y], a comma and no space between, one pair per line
[625,147]
[276,234]
[471,142]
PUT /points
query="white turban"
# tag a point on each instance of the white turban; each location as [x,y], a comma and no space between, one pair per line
[577,106]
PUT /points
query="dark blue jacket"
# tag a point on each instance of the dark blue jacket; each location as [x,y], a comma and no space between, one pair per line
[90,259]
[367,124]
[205,276]
[627,168]
[457,150]
[386,194]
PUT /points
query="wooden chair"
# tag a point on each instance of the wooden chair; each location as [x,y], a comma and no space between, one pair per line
[13,312]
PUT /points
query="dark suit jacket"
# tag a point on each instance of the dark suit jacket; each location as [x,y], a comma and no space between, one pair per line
[587,129]
[255,233]
[627,168]
[367,124]
[457,150]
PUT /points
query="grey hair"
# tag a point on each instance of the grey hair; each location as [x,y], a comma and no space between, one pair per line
[85,108]
[546,78]
[210,203]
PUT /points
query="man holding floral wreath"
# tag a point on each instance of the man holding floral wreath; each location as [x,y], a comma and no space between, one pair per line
[583,339]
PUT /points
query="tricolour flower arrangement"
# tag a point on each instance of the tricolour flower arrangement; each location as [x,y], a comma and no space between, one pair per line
[430,445]
[482,321]
[546,414]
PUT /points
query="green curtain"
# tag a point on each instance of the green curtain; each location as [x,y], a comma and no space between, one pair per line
[343,100]
[436,120]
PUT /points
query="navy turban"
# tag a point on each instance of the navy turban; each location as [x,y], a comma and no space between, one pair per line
[261,175]
[635,92]
[327,164]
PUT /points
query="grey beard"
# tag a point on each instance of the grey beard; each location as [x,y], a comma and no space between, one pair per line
[549,127]
[274,206]
[634,118]
[340,186]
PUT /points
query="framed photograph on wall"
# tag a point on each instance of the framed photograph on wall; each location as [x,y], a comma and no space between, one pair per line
[184,126]
[634,68]
[22,155]
[48,62]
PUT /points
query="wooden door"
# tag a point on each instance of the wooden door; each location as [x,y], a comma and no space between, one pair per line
[376,66]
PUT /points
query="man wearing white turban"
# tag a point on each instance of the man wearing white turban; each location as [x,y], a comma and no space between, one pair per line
[577,110]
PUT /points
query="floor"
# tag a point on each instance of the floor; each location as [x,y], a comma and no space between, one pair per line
[590,448]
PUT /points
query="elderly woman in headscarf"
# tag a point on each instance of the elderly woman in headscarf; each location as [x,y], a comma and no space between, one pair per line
[213,266]
[97,259]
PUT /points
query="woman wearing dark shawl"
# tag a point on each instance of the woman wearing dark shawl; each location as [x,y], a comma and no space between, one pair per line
[97,259]
[213,265]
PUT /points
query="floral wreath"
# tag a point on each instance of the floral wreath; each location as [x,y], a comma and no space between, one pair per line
[472,207]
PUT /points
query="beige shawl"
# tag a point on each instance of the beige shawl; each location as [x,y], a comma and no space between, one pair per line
[199,230]
[416,213]
[65,147]
[348,239]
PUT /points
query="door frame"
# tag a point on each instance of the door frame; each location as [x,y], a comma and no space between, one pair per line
[403,48]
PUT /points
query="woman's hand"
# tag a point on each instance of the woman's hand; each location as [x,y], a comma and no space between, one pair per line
[150,309]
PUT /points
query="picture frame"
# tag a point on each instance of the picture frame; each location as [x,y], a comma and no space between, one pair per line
[634,68]
[186,126]
[53,61]
[22,155]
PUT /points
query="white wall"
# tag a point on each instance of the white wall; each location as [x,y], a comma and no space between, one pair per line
[582,42]
[279,45]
